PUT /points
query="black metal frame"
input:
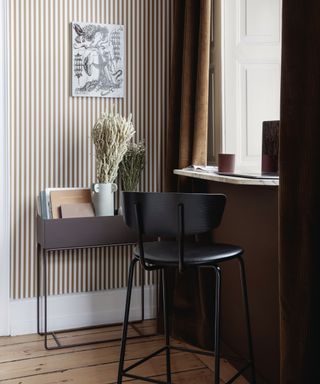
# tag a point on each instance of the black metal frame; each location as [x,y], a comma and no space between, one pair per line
[43,254]
[168,347]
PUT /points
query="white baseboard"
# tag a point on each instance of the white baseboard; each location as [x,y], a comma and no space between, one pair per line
[81,309]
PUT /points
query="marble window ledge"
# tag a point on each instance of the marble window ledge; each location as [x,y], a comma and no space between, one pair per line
[226,179]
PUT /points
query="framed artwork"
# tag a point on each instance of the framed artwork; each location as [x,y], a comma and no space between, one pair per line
[97,60]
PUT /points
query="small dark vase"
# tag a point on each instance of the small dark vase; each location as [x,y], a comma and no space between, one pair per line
[270,147]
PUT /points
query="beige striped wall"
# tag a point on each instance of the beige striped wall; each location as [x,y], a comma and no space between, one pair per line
[50,130]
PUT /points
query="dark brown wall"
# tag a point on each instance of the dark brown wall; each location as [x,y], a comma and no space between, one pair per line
[251,221]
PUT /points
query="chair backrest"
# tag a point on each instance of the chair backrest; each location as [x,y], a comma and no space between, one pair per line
[159,212]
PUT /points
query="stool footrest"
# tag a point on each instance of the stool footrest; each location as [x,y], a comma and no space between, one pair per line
[239,373]
[192,350]
[150,356]
[149,380]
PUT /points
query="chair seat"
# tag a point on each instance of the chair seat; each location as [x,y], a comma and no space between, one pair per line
[164,253]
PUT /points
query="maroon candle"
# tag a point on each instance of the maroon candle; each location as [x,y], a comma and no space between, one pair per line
[226,162]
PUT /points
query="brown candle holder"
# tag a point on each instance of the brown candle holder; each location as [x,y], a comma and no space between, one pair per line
[226,162]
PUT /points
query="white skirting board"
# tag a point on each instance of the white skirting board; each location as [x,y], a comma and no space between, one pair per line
[81,309]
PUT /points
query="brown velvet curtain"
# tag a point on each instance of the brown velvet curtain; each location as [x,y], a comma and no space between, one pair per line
[189,87]
[300,193]
[192,292]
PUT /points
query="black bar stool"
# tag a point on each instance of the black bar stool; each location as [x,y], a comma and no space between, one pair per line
[178,215]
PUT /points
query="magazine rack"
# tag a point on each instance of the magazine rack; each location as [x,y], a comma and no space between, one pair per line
[76,233]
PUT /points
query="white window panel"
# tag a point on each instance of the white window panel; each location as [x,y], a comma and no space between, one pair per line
[259,88]
[260,20]
[251,58]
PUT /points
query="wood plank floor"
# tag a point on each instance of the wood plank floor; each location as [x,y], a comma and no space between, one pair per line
[23,360]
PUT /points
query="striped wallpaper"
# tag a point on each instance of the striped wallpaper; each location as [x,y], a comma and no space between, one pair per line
[50,142]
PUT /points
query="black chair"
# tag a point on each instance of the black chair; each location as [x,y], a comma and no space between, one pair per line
[178,215]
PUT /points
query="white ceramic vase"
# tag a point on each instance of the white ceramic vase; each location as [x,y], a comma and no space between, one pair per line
[103,198]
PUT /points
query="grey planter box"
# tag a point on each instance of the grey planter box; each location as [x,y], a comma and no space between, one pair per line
[83,232]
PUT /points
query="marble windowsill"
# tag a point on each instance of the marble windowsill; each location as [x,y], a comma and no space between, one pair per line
[226,179]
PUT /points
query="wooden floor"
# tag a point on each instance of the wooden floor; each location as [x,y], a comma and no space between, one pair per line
[23,360]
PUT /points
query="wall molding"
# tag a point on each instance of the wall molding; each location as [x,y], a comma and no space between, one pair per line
[81,309]
[4,174]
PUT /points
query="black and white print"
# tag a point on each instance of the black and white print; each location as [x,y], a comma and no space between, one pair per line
[97,60]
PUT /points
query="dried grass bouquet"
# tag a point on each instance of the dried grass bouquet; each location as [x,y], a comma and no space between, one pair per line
[132,164]
[111,135]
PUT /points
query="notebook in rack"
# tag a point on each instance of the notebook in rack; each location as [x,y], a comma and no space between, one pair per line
[58,197]
[76,210]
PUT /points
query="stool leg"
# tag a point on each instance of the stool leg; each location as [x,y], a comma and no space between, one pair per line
[217,326]
[166,323]
[126,320]
[247,318]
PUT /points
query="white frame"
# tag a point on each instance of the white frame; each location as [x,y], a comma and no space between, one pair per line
[4,175]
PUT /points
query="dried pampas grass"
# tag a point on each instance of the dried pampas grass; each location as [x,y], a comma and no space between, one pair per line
[132,165]
[111,135]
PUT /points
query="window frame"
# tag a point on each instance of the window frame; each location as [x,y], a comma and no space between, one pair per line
[215,136]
